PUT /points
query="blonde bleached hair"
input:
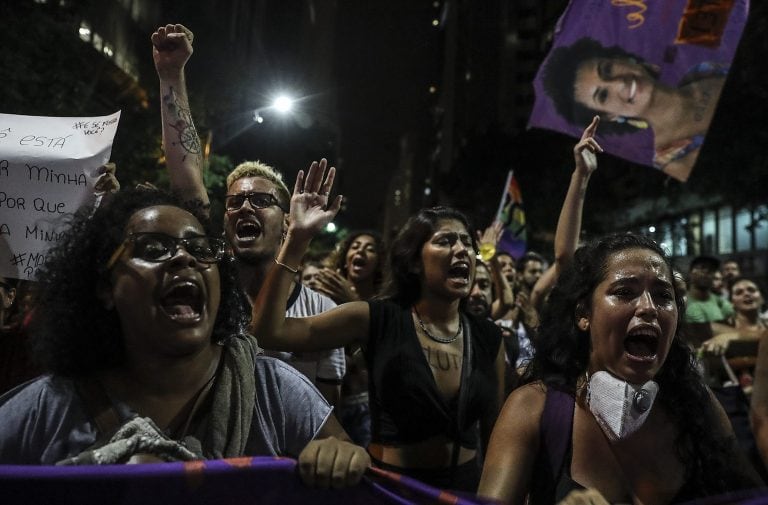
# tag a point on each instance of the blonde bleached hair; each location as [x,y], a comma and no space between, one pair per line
[259,169]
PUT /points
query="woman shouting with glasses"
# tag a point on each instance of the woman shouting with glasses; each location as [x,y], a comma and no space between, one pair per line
[159,369]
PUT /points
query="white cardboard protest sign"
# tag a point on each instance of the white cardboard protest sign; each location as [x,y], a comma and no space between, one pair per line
[48,166]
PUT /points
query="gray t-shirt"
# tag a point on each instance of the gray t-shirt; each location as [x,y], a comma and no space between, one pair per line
[327,366]
[44,421]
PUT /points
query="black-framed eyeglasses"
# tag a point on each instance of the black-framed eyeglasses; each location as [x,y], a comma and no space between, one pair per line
[257,201]
[159,247]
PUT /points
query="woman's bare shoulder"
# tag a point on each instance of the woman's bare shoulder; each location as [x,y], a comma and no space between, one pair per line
[526,403]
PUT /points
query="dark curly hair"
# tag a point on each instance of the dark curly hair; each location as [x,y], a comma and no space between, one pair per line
[559,80]
[403,283]
[73,334]
[562,356]
[338,260]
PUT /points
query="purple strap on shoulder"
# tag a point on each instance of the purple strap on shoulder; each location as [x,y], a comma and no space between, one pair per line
[557,426]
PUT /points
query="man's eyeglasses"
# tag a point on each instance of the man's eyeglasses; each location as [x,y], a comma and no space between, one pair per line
[159,247]
[257,201]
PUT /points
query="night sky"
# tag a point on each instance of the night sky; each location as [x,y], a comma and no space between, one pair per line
[376,71]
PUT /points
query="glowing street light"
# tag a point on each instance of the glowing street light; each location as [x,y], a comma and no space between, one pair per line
[283,104]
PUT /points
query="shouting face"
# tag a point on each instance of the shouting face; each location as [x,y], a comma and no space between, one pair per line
[448,261]
[165,285]
[633,316]
[362,258]
[254,232]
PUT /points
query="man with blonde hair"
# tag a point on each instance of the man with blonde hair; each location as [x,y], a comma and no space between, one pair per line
[259,169]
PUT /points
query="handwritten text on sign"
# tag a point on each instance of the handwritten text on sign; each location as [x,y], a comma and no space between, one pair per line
[48,166]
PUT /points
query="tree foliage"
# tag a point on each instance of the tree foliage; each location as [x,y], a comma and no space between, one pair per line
[50,71]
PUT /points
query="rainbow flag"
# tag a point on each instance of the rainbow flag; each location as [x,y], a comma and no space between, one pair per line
[512,215]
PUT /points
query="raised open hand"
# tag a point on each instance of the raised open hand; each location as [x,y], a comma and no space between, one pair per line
[310,211]
[492,234]
[171,48]
[584,151]
[336,287]
[488,239]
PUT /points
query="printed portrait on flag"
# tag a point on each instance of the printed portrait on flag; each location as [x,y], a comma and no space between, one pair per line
[653,71]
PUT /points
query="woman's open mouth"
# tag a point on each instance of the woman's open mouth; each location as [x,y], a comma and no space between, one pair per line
[459,272]
[183,302]
[642,344]
[358,264]
[748,302]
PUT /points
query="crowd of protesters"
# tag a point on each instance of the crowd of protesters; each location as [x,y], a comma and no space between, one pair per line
[602,376]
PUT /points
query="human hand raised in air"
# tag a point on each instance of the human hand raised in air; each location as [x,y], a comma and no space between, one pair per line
[528,312]
[310,207]
[491,235]
[171,49]
[584,151]
[335,286]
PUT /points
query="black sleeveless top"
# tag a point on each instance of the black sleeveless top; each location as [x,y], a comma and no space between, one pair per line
[406,405]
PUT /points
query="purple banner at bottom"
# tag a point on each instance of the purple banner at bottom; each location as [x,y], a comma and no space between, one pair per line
[227,481]
[231,481]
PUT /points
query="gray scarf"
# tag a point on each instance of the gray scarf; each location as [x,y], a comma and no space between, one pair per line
[222,432]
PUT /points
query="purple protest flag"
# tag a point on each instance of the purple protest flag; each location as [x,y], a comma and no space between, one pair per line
[653,71]
[233,481]
[512,216]
[749,497]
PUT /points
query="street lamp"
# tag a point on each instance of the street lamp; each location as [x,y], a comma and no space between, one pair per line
[283,104]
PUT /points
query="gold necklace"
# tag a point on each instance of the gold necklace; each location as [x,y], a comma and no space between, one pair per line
[440,340]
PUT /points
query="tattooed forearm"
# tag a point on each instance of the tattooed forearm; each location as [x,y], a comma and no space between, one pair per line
[441,360]
[180,119]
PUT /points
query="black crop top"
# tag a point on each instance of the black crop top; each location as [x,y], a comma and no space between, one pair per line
[406,405]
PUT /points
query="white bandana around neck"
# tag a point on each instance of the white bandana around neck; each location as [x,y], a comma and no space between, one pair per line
[620,407]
